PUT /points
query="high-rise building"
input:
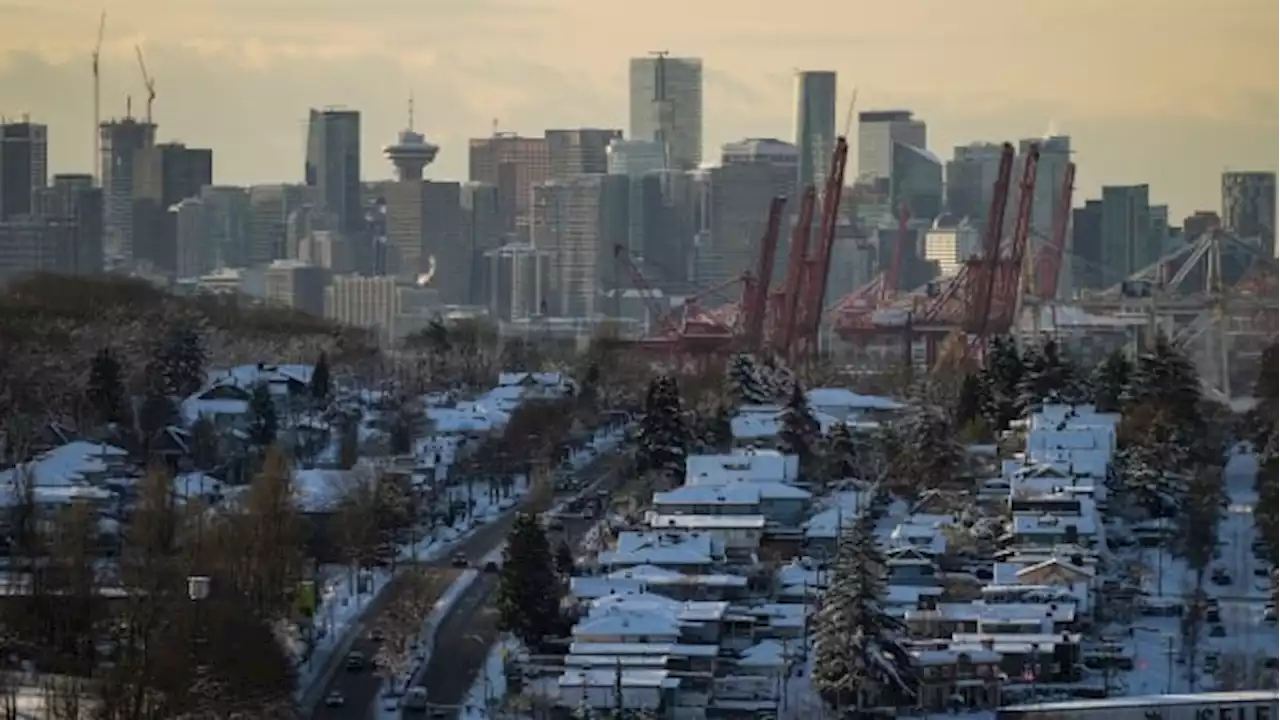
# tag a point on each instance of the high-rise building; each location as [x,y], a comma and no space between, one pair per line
[295,284]
[513,164]
[365,302]
[424,236]
[1199,223]
[163,176]
[753,172]
[578,152]
[229,222]
[971,179]
[915,181]
[666,106]
[24,166]
[519,277]
[635,158]
[120,142]
[1086,257]
[333,165]
[878,130]
[196,253]
[72,198]
[1128,243]
[580,220]
[672,209]
[815,125]
[481,233]
[1249,207]
[270,207]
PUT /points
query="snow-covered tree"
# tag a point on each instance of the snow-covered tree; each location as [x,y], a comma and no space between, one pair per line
[1111,382]
[1048,376]
[841,454]
[1153,464]
[1000,377]
[778,379]
[860,654]
[713,430]
[662,439]
[1165,380]
[1206,501]
[799,431]
[929,454]
[745,384]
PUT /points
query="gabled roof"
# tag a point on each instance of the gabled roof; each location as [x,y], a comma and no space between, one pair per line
[1056,562]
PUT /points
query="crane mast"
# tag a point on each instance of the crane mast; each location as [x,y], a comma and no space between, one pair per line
[97,101]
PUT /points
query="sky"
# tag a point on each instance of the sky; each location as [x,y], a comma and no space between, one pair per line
[1166,92]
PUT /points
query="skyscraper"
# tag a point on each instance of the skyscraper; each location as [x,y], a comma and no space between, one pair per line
[24,166]
[1128,242]
[1249,206]
[582,151]
[878,130]
[815,124]
[513,164]
[666,106]
[971,180]
[915,181]
[163,176]
[333,165]
[121,140]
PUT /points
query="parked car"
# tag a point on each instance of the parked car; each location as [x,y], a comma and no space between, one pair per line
[355,661]
[491,567]
[460,560]
[335,699]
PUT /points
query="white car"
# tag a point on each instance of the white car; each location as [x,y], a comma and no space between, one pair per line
[335,699]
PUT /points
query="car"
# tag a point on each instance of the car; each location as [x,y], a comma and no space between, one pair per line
[1261,571]
[491,567]
[1269,614]
[355,661]
[335,699]
[376,635]
[1221,577]
[460,560]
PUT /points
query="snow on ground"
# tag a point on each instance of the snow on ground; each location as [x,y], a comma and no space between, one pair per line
[490,688]
[340,601]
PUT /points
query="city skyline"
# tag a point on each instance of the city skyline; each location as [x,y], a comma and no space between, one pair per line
[1164,117]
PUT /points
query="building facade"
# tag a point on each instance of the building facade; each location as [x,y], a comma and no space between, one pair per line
[24,166]
[332,165]
[815,125]
[665,96]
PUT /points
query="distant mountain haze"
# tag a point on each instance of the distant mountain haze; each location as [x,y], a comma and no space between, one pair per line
[1167,92]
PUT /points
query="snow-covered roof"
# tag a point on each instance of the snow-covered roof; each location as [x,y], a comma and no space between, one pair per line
[769,653]
[66,464]
[842,509]
[319,490]
[471,419]
[952,656]
[997,612]
[246,376]
[795,574]
[629,648]
[707,522]
[758,424]
[195,407]
[610,678]
[730,493]
[849,400]
[57,495]
[749,465]
[1050,524]
[661,548]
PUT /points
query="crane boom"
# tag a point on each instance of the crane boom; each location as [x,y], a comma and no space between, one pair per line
[147,82]
[790,299]
[757,299]
[1061,222]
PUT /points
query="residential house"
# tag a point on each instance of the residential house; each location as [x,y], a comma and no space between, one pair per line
[691,552]
[954,681]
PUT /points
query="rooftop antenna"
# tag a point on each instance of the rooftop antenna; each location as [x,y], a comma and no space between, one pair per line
[495,127]
[411,110]
[128,107]
[97,101]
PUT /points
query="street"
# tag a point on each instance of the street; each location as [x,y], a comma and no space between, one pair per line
[360,689]
[466,636]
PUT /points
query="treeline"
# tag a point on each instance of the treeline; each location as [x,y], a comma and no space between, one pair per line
[180,614]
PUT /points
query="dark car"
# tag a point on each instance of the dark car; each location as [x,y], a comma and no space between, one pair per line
[491,567]
[460,561]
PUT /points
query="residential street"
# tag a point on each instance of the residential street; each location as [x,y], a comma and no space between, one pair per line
[467,635]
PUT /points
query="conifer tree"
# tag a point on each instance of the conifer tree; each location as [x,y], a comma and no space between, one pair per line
[860,652]
[181,358]
[1000,379]
[841,454]
[798,430]
[1048,377]
[320,382]
[970,401]
[564,559]
[1111,382]
[106,387]
[1260,421]
[263,423]
[714,431]
[745,385]
[528,589]
[662,440]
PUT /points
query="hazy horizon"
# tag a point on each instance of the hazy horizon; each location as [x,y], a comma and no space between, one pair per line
[1166,93]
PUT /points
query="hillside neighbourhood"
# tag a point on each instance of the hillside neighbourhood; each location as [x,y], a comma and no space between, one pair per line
[788,552]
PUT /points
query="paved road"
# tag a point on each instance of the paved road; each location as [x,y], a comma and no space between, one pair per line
[361,688]
[466,636]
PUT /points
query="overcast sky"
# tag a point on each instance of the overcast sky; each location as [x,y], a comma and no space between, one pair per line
[1169,92]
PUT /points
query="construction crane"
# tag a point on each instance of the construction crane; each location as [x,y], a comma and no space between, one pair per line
[97,100]
[147,81]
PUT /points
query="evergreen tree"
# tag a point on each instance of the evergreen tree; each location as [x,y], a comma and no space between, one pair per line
[798,430]
[1260,421]
[970,401]
[841,454]
[180,358]
[157,410]
[1206,501]
[1111,382]
[860,653]
[662,439]
[348,441]
[263,423]
[1153,464]
[743,377]
[106,388]
[1165,380]
[528,591]
[713,431]
[1266,516]
[1048,377]
[929,454]
[1000,380]
[319,385]
[204,444]
[564,559]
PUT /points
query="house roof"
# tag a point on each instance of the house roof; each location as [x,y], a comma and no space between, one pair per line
[847,399]
[67,464]
[1056,562]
